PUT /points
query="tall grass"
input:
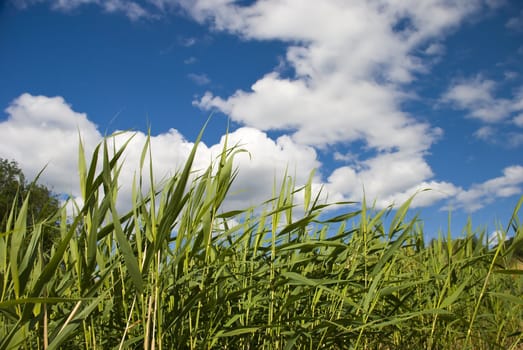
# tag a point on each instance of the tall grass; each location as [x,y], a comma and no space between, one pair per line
[176,272]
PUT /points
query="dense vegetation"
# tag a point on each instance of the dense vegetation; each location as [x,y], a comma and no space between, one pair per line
[14,188]
[176,272]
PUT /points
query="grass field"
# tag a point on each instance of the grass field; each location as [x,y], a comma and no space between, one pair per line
[176,272]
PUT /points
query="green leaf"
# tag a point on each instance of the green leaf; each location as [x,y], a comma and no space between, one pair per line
[449,300]
[17,238]
[238,331]
[130,260]
[518,300]
[308,191]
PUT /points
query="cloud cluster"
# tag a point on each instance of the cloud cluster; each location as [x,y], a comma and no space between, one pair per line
[476,96]
[479,195]
[351,63]
[44,131]
[390,178]
[502,118]
[48,129]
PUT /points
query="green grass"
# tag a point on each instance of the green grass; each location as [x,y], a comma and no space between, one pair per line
[176,272]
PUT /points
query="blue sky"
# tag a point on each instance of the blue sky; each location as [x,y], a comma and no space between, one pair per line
[390,96]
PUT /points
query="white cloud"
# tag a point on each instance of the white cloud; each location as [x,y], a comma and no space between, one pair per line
[199,79]
[132,9]
[499,136]
[342,48]
[47,129]
[187,41]
[496,3]
[40,130]
[426,193]
[477,96]
[352,62]
[518,120]
[44,131]
[190,60]
[496,237]
[68,5]
[325,114]
[390,178]
[485,133]
[435,49]
[518,100]
[514,139]
[265,164]
[515,23]
[479,195]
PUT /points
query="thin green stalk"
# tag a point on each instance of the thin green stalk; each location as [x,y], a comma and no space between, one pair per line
[482,292]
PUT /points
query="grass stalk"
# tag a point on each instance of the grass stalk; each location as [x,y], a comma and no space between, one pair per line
[174,270]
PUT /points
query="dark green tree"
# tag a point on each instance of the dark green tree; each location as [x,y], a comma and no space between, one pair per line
[11,185]
[14,188]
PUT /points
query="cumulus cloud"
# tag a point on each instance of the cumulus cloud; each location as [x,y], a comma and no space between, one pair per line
[350,59]
[476,96]
[479,195]
[323,115]
[351,63]
[265,163]
[42,131]
[390,178]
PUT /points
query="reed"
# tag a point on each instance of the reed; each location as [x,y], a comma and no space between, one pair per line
[177,272]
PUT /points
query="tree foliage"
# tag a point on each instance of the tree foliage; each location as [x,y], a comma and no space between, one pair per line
[14,189]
